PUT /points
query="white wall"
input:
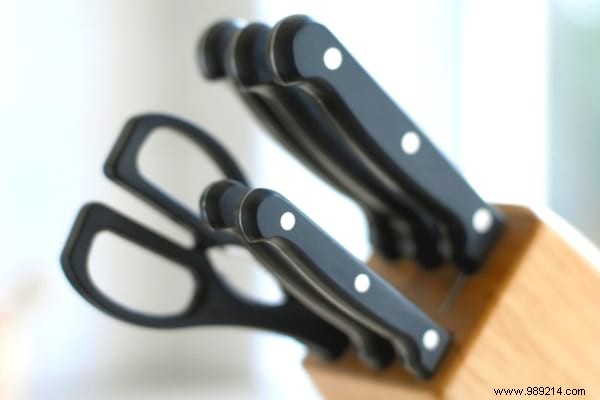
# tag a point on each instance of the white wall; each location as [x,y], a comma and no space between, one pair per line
[71,74]
[575,113]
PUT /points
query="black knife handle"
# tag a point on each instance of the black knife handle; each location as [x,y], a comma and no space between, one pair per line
[306,123]
[306,53]
[212,46]
[220,203]
[218,53]
[265,216]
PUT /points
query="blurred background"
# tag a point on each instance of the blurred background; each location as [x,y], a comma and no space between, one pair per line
[510,91]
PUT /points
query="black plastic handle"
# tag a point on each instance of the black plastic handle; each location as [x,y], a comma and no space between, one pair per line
[213,303]
[95,218]
[289,116]
[307,122]
[305,53]
[212,46]
[215,52]
[121,166]
[266,217]
[220,204]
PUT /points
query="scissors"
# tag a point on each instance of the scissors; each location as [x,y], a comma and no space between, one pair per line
[214,302]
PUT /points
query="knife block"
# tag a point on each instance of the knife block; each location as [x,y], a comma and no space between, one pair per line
[530,317]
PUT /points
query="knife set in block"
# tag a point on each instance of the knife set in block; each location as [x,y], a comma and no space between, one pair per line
[461,296]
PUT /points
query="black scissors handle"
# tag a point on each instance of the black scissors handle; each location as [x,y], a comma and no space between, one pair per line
[213,302]
[266,217]
[305,53]
[122,168]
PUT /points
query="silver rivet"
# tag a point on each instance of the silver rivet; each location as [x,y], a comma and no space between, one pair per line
[482,220]
[411,142]
[287,221]
[332,58]
[431,339]
[362,283]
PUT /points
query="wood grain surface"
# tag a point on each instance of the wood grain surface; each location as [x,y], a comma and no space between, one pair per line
[530,317]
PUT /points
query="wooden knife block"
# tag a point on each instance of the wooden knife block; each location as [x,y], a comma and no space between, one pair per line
[530,317]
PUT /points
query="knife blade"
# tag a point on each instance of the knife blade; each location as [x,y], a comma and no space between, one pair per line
[306,54]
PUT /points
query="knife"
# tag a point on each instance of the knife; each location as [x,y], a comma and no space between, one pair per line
[219,205]
[305,122]
[305,54]
[122,168]
[397,227]
[266,217]
[388,237]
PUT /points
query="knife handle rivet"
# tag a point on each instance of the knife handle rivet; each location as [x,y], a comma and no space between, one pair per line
[431,339]
[362,283]
[411,142]
[482,220]
[332,58]
[287,221]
